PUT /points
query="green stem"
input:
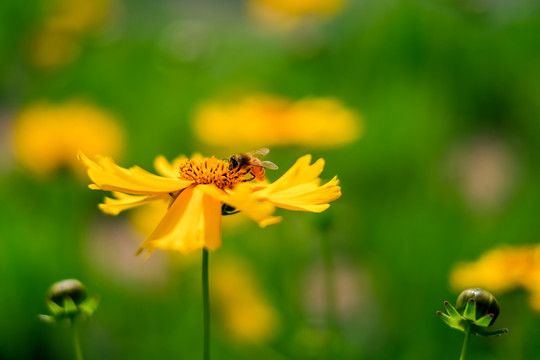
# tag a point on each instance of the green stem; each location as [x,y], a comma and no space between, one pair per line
[76,342]
[465,342]
[206,306]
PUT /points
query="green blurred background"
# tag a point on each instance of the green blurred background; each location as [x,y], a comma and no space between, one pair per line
[443,87]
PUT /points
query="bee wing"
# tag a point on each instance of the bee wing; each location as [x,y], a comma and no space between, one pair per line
[263,152]
[269,165]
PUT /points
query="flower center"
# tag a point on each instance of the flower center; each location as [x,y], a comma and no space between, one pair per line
[211,171]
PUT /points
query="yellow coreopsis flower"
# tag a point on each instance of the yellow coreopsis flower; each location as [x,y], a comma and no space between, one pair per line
[303,7]
[502,269]
[47,136]
[197,189]
[57,41]
[247,315]
[78,16]
[286,15]
[265,120]
[52,48]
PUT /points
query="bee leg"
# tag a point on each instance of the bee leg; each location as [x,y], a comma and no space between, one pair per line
[249,179]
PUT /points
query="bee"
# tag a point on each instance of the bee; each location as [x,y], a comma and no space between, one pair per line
[249,164]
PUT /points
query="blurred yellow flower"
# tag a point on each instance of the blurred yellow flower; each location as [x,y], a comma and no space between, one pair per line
[48,136]
[52,48]
[303,7]
[502,269]
[290,14]
[264,120]
[198,187]
[57,41]
[77,16]
[247,315]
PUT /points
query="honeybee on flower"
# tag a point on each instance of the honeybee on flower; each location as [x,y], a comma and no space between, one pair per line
[250,164]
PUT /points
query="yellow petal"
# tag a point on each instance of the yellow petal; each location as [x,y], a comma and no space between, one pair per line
[242,199]
[269,221]
[166,168]
[301,172]
[299,188]
[123,202]
[106,175]
[307,197]
[192,222]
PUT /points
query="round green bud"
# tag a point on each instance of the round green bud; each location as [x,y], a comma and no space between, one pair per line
[485,303]
[62,289]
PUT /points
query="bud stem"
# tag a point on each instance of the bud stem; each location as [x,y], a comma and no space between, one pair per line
[206,306]
[464,348]
[76,342]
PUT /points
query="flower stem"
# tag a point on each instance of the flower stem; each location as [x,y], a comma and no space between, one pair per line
[464,348]
[206,306]
[76,342]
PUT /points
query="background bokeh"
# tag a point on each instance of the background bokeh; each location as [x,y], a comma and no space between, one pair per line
[447,94]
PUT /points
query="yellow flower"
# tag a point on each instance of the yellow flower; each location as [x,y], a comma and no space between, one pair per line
[77,16]
[57,41]
[303,7]
[247,315]
[264,120]
[288,15]
[502,269]
[198,187]
[52,48]
[48,136]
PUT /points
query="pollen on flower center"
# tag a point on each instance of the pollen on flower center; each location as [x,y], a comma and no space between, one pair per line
[210,171]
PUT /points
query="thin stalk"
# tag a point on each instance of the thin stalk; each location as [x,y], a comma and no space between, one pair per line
[206,306]
[76,342]
[465,342]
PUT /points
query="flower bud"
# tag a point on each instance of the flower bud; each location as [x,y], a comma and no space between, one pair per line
[67,299]
[71,288]
[485,303]
[475,311]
